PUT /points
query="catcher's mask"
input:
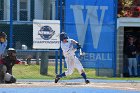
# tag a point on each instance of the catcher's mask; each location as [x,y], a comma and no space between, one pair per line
[11,51]
[3,37]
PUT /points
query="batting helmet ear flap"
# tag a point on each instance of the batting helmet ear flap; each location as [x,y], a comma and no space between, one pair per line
[63,36]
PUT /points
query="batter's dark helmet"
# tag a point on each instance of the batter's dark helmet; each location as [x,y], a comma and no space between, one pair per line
[2,34]
[63,36]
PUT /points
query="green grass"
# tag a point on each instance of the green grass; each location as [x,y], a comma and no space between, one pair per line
[33,72]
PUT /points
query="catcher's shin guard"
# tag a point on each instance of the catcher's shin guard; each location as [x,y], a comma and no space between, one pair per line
[9,78]
[87,81]
[2,73]
[12,80]
[1,78]
[57,78]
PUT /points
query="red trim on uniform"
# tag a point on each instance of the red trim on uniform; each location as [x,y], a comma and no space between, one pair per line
[1,61]
[17,62]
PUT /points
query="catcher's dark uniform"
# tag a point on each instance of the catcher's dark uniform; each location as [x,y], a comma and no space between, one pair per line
[6,65]
[9,62]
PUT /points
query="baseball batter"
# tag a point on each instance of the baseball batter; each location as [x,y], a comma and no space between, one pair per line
[71,60]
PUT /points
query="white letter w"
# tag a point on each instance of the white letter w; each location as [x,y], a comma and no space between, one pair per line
[92,18]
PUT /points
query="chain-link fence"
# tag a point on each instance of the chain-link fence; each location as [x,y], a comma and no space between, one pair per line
[16,20]
[36,63]
[25,11]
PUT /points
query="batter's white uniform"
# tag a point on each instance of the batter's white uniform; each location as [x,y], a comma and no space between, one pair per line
[71,60]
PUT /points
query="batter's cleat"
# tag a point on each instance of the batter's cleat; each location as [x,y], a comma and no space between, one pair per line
[57,79]
[87,81]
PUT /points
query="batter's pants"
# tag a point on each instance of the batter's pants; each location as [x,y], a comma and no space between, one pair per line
[72,63]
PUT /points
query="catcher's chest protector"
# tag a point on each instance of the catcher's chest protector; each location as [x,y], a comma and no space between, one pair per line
[10,61]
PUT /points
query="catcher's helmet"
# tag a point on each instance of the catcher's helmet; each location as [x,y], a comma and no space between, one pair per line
[10,51]
[46,32]
[63,36]
[2,34]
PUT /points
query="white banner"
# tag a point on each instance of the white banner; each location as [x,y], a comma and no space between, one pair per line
[46,34]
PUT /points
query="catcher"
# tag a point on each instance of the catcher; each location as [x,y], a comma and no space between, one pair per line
[6,65]
[71,60]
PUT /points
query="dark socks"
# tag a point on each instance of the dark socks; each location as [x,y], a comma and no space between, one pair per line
[84,76]
[62,75]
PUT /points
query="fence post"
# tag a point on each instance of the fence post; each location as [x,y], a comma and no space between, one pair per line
[56,8]
[44,63]
[11,23]
[37,58]
[61,31]
[56,62]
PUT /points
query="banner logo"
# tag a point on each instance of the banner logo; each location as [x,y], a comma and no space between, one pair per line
[46,32]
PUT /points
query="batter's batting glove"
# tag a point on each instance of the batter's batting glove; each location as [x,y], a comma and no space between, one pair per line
[78,46]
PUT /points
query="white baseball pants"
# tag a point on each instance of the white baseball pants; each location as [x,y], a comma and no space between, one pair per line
[72,63]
